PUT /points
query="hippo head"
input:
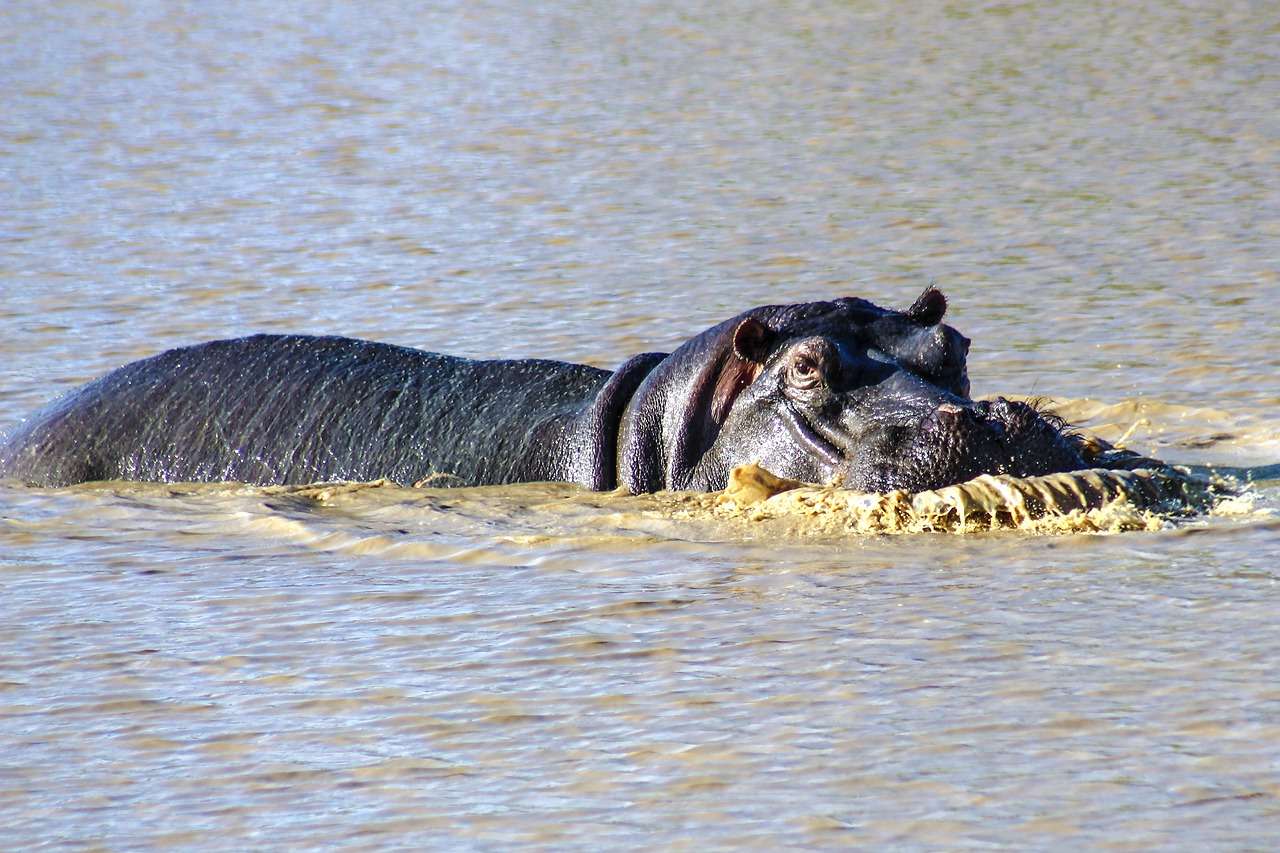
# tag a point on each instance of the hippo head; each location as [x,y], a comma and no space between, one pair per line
[825,391]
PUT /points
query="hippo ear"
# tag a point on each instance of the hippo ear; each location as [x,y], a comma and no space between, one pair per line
[751,343]
[928,308]
[676,413]
[751,340]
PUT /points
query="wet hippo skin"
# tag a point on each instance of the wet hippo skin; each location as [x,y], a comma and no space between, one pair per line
[818,391]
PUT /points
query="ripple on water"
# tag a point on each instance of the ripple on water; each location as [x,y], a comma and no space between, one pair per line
[210,666]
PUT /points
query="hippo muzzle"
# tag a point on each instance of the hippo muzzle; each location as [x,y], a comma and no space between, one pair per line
[957,441]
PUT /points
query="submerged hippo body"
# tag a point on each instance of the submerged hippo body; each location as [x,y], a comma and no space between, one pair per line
[814,391]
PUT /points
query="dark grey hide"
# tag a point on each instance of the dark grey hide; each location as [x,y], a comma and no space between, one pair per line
[814,391]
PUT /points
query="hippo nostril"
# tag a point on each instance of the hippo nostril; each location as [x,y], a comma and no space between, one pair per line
[948,414]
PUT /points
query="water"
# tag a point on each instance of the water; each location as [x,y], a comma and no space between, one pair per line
[1094,187]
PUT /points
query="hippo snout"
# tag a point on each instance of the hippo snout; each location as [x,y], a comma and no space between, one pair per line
[956,441]
[998,436]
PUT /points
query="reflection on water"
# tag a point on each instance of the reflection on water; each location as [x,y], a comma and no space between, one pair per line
[1094,187]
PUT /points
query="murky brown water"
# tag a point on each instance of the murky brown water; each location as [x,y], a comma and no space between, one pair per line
[1096,188]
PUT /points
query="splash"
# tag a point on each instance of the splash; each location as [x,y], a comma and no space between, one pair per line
[1093,500]
[758,503]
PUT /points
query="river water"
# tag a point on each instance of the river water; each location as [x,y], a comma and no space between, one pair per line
[1095,186]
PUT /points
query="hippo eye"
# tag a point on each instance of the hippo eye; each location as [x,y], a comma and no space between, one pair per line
[805,372]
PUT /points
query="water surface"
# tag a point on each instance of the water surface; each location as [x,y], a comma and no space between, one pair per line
[1094,187]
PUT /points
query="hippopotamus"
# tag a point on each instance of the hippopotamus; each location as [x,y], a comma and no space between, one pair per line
[831,391]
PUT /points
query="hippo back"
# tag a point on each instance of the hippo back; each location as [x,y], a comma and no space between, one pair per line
[295,409]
